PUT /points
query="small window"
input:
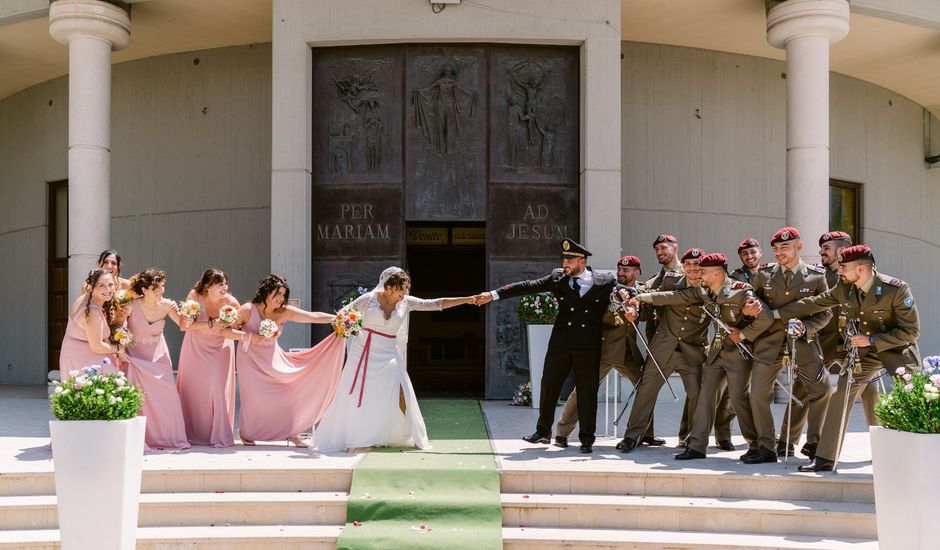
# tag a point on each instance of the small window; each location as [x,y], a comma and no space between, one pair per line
[845,208]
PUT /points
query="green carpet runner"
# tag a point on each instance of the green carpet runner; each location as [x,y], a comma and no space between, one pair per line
[447,497]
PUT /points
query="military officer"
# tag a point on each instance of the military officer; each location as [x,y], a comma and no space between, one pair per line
[888,326]
[666,248]
[678,345]
[726,299]
[583,297]
[619,350]
[750,253]
[779,284]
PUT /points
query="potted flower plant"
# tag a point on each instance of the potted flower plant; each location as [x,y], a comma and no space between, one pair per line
[904,452]
[97,454]
[538,312]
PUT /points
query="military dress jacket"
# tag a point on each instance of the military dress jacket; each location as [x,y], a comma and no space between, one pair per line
[683,325]
[743,275]
[887,315]
[771,288]
[830,337]
[619,343]
[579,323]
[666,279]
[728,303]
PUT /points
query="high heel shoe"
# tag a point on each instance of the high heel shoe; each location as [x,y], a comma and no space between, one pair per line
[297,442]
[246,442]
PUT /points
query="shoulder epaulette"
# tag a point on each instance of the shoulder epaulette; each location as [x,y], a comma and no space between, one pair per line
[771,266]
[893,281]
[558,270]
[817,269]
[737,285]
[673,274]
[762,266]
[739,271]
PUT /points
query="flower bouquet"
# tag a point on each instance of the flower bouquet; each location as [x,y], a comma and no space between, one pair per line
[122,337]
[348,322]
[914,405]
[268,329]
[189,308]
[89,395]
[228,314]
[523,395]
[123,297]
[538,309]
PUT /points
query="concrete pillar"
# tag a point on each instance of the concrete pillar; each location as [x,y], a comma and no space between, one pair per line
[806,28]
[91,30]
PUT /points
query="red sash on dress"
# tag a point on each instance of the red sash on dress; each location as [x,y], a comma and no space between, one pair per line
[364,363]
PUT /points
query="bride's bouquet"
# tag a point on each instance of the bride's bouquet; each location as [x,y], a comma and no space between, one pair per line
[122,337]
[348,322]
[189,308]
[228,314]
[268,329]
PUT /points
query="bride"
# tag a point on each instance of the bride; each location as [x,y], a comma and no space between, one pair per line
[375,404]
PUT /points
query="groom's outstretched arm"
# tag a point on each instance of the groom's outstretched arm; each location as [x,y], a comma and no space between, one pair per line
[522,288]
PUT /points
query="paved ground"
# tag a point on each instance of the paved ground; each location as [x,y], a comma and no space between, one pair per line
[24,438]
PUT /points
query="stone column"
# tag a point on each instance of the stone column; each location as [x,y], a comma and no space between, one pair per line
[806,28]
[91,30]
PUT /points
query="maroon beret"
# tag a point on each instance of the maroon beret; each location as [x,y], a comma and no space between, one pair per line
[785,234]
[693,254]
[749,242]
[629,261]
[665,239]
[715,259]
[833,236]
[853,253]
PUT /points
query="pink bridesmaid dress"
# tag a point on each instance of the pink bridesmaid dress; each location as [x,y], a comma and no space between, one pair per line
[76,353]
[284,394]
[152,369]
[206,384]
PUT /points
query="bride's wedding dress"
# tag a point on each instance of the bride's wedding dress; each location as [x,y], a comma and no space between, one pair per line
[365,410]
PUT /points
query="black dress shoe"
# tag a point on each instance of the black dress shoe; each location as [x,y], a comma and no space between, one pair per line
[561,442]
[725,444]
[654,441]
[749,454]
[536,438]
[585,449]
[809,450]
[761,456]
[783,449]
[690,454]
[626,445]
[817,465]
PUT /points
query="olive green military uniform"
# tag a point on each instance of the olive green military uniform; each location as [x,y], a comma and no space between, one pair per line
[887,314]
[772,286]
[619,351]
[678,345]
[723,357]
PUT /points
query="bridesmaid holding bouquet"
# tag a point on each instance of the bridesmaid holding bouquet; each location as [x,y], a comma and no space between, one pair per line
[88,333]
[282,394]
[206,377]
[150,366]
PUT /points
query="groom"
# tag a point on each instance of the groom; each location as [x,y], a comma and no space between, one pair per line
[583,297]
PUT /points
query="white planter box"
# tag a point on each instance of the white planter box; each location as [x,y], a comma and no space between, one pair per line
[97,481]
[906,488]
[538,346]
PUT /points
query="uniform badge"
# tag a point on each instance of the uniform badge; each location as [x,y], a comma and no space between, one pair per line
[806,290]
[726,292]
[785,236]
[878,291]
[804,271]
[894,281]
[909,301]
[843,317]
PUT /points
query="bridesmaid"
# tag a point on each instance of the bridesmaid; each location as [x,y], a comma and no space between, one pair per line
[206,376]
[110,261]
[150,365]
[88,333]
[283,394]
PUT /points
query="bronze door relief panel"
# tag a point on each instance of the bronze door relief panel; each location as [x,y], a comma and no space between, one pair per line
[445,133]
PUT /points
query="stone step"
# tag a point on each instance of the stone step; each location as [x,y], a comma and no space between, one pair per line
[235,537]
[200,481]
[519,538]
[712,515]
[792,486]
[195,509]
[323,537]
